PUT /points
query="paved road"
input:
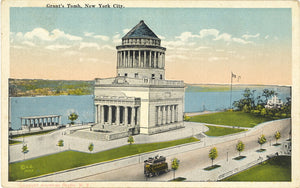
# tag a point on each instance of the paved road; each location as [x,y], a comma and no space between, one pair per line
[193,162]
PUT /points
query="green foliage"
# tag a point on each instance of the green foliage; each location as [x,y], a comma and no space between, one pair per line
[277,136]
[24,149]
[27,87]
[91,147]
[275,169]
[213,154]
[60,143]
[72,117]
[72,159]
[174,166]
[263,112]
[130,140]
[187,118]
[240,147]
[221,131]
[261,140]
[231,118]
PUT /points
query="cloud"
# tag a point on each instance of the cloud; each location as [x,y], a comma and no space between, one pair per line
[209,32]
[185,36]
[92,34]
[202,48]
[161,37]
[241,41]
[44,35]
[58,47]
[117,39]
[102,37]
[125,31]
[88,34]
[89,45]
[28,43]
[224,36]
[176,56]
[246,36]
[267,36]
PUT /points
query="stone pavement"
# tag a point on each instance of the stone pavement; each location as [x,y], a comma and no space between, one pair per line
[228,167]
[46,144]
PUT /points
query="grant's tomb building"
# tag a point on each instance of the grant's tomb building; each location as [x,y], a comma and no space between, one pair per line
[138,100]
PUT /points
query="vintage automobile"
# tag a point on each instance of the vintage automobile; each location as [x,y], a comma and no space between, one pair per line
[155,166]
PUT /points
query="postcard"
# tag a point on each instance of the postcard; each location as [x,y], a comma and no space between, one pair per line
[150,93]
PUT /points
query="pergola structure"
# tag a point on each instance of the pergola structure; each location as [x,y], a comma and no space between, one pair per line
[40,121]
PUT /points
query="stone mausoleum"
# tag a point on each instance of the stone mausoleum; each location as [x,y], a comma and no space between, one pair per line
[138,100]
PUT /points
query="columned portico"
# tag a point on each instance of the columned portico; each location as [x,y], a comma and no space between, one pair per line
[40,121]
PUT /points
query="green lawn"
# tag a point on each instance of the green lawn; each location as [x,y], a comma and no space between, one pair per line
[71,159]
[31,134]
[12,142]
[239,119]
[275,169]
[221,131]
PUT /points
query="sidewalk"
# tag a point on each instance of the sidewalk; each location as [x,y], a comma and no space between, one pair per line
[46,144]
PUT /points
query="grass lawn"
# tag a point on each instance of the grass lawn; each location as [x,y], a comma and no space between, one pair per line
[31,134]
[71,159]
[211,167]
[220,131]
[275,169]
[179,179]
[239,119]
[13,142]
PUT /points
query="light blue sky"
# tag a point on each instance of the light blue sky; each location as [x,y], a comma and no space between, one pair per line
[203,44]
[165,22]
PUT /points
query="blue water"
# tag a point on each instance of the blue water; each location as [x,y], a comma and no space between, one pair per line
[84,105]
[52,105]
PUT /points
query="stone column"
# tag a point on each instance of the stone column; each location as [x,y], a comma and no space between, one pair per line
[125,115]
[144,59]
[139,62]
[162,115]
[156,115]
[118,58]
[98,113]
[109,115]
[133,59]
[127,58]
[138,116]
[150,59]
[154,61]
[132,116]
[118,115]
[171,109]
[102,114]
[163,60]
[167,115]
[176,113]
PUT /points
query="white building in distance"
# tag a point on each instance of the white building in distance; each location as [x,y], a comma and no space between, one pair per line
[274,103]
[139,100]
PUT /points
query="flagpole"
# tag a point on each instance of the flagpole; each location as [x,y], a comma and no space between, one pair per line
[230,91]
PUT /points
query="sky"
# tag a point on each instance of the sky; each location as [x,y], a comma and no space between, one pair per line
[204,45]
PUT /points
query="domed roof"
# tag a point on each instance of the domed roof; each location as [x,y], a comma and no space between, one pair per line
[141,30]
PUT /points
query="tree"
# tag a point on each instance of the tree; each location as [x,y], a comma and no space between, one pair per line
[261,140]
[277,136]
[24,150]
[91,147]
[213,154]
[240,147]
[60,143]
[267,94]
[130,140]
[72,117]
[175,166]
[263,112]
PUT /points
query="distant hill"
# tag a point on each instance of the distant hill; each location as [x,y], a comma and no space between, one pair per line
[35,87]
